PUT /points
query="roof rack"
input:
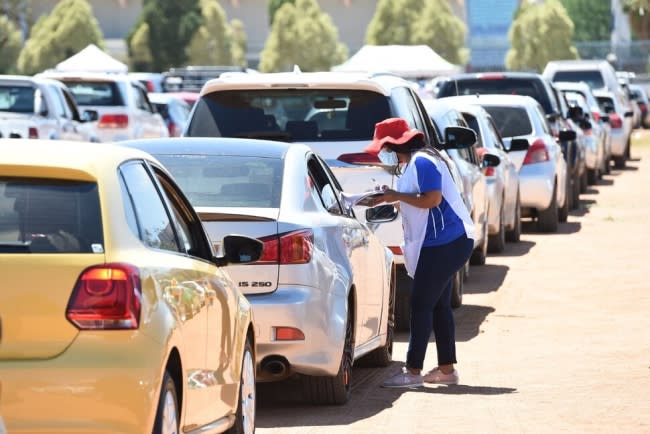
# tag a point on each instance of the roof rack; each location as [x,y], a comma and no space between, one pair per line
[192,78]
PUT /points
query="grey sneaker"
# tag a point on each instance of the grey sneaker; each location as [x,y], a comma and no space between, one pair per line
[436,376]
[404,379]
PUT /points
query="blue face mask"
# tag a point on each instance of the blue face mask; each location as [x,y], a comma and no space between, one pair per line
[388,158]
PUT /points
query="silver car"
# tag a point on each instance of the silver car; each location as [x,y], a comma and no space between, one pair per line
[542,168]
[504,213]
[323,291]
[620,121]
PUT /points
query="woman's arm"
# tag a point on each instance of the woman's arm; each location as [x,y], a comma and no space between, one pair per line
[429,199]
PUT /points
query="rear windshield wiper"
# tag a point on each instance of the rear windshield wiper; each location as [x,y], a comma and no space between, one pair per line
[15,247]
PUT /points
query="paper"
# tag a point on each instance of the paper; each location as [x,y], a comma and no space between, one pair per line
[364,199]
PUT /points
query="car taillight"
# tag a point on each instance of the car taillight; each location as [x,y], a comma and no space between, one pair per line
[596,116]
[615,120]
[32,133]
[491,76]
[359,158]
[288,248]
[489,171]
[113,121]
[397,250]
[106,297]
[537,153]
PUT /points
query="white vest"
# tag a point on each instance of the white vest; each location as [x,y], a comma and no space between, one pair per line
[414,219]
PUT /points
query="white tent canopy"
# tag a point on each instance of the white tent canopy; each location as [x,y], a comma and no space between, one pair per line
[92,59]
[408,61]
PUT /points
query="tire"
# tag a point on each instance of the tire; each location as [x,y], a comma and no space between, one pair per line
[245,416]
[497,242]
[592,176]
[479,254]
[334,390]
[457,289]
[627,149]
[402,299]
[514,235]
[383,356]
[563,211]
[547,219]
[584,181]
[619,161]
[167,416]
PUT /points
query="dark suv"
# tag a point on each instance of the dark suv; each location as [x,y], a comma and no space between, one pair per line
[539,88]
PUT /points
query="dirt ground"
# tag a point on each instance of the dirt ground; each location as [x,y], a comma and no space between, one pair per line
[553,336]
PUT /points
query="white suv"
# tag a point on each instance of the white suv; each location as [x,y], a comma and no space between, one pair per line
[121,102]
[334,113]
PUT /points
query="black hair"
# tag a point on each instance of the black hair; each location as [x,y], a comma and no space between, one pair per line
[416,144]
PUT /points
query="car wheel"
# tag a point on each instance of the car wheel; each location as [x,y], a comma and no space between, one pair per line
[627,149]
[583,188]
[402,299]
[382,356]
[336,389]
[547,219]
[167,413]
[457,289]
[619,161]
[479,254]
[514,234]
[245,417]
[563,211]
[497,242]
[592,176]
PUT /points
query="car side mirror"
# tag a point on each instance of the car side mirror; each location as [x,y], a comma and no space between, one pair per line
[381,214]
[576,112]
[567,135]
[238,249]
[490,160]
[459,138]
[604,118]
[89,115]
[629,114]
[518,145]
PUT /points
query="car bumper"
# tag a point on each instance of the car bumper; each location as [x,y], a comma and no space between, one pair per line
[320,315]
[536,185]
[92,387]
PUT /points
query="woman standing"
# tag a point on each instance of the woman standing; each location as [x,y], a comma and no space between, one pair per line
[438,234]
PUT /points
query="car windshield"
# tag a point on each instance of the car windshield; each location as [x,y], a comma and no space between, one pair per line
[290,114]
[511,121]
[227,180]
[593,78]
[101,93]
[49,216]
[17,99]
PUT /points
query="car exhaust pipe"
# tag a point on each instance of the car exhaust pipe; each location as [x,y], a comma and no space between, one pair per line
[275,367]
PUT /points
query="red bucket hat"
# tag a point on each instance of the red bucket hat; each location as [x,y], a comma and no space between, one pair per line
[395,131]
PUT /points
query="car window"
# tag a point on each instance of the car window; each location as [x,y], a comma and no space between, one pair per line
[543,121]
[473,123]
[57,100]
[100,93]
[289,114]
[153,223]
[593,78]
[511,121]
[327,193]
[227,180]
[140,101]
[494,132]
[17,99]
[50,216]
[70,104]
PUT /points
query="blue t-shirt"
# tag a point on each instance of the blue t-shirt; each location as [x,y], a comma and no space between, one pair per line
[443,225]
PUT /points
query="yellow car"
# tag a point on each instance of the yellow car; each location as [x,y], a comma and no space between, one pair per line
[115,315]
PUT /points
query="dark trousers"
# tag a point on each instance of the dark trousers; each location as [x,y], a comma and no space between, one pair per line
[431,301]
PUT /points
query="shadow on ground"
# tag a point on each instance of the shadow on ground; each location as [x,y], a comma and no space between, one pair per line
[486,278]
[530,227]
[514,249]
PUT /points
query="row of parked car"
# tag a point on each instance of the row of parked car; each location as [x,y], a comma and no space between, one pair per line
[168,275]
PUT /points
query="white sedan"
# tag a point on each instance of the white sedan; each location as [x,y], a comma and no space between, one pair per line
[323,291]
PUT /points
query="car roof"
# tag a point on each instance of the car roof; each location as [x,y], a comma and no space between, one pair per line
[494,74]
[569,85]
[214,146]
[87,76]
[27,79]
[577,64]
[467,103]
[76,157]
[382,83]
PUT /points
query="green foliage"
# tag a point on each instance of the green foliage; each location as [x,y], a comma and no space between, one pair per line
[68,29]
[239,43]
[440,29]
[172,24]
[302,35]
[10,44]
[211,42]
[274,5]
[394,22]
[591,18]
[541,32]
[639,13]
[141,57]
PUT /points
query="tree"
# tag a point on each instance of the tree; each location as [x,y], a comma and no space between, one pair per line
[639,13]
[239,43]
[141,57]
[592,26]
[10,45]
[274,5]
[540,32]
[439,28]
[172,24]
[394,22]
[69,28]
[302,35]
[211,43]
